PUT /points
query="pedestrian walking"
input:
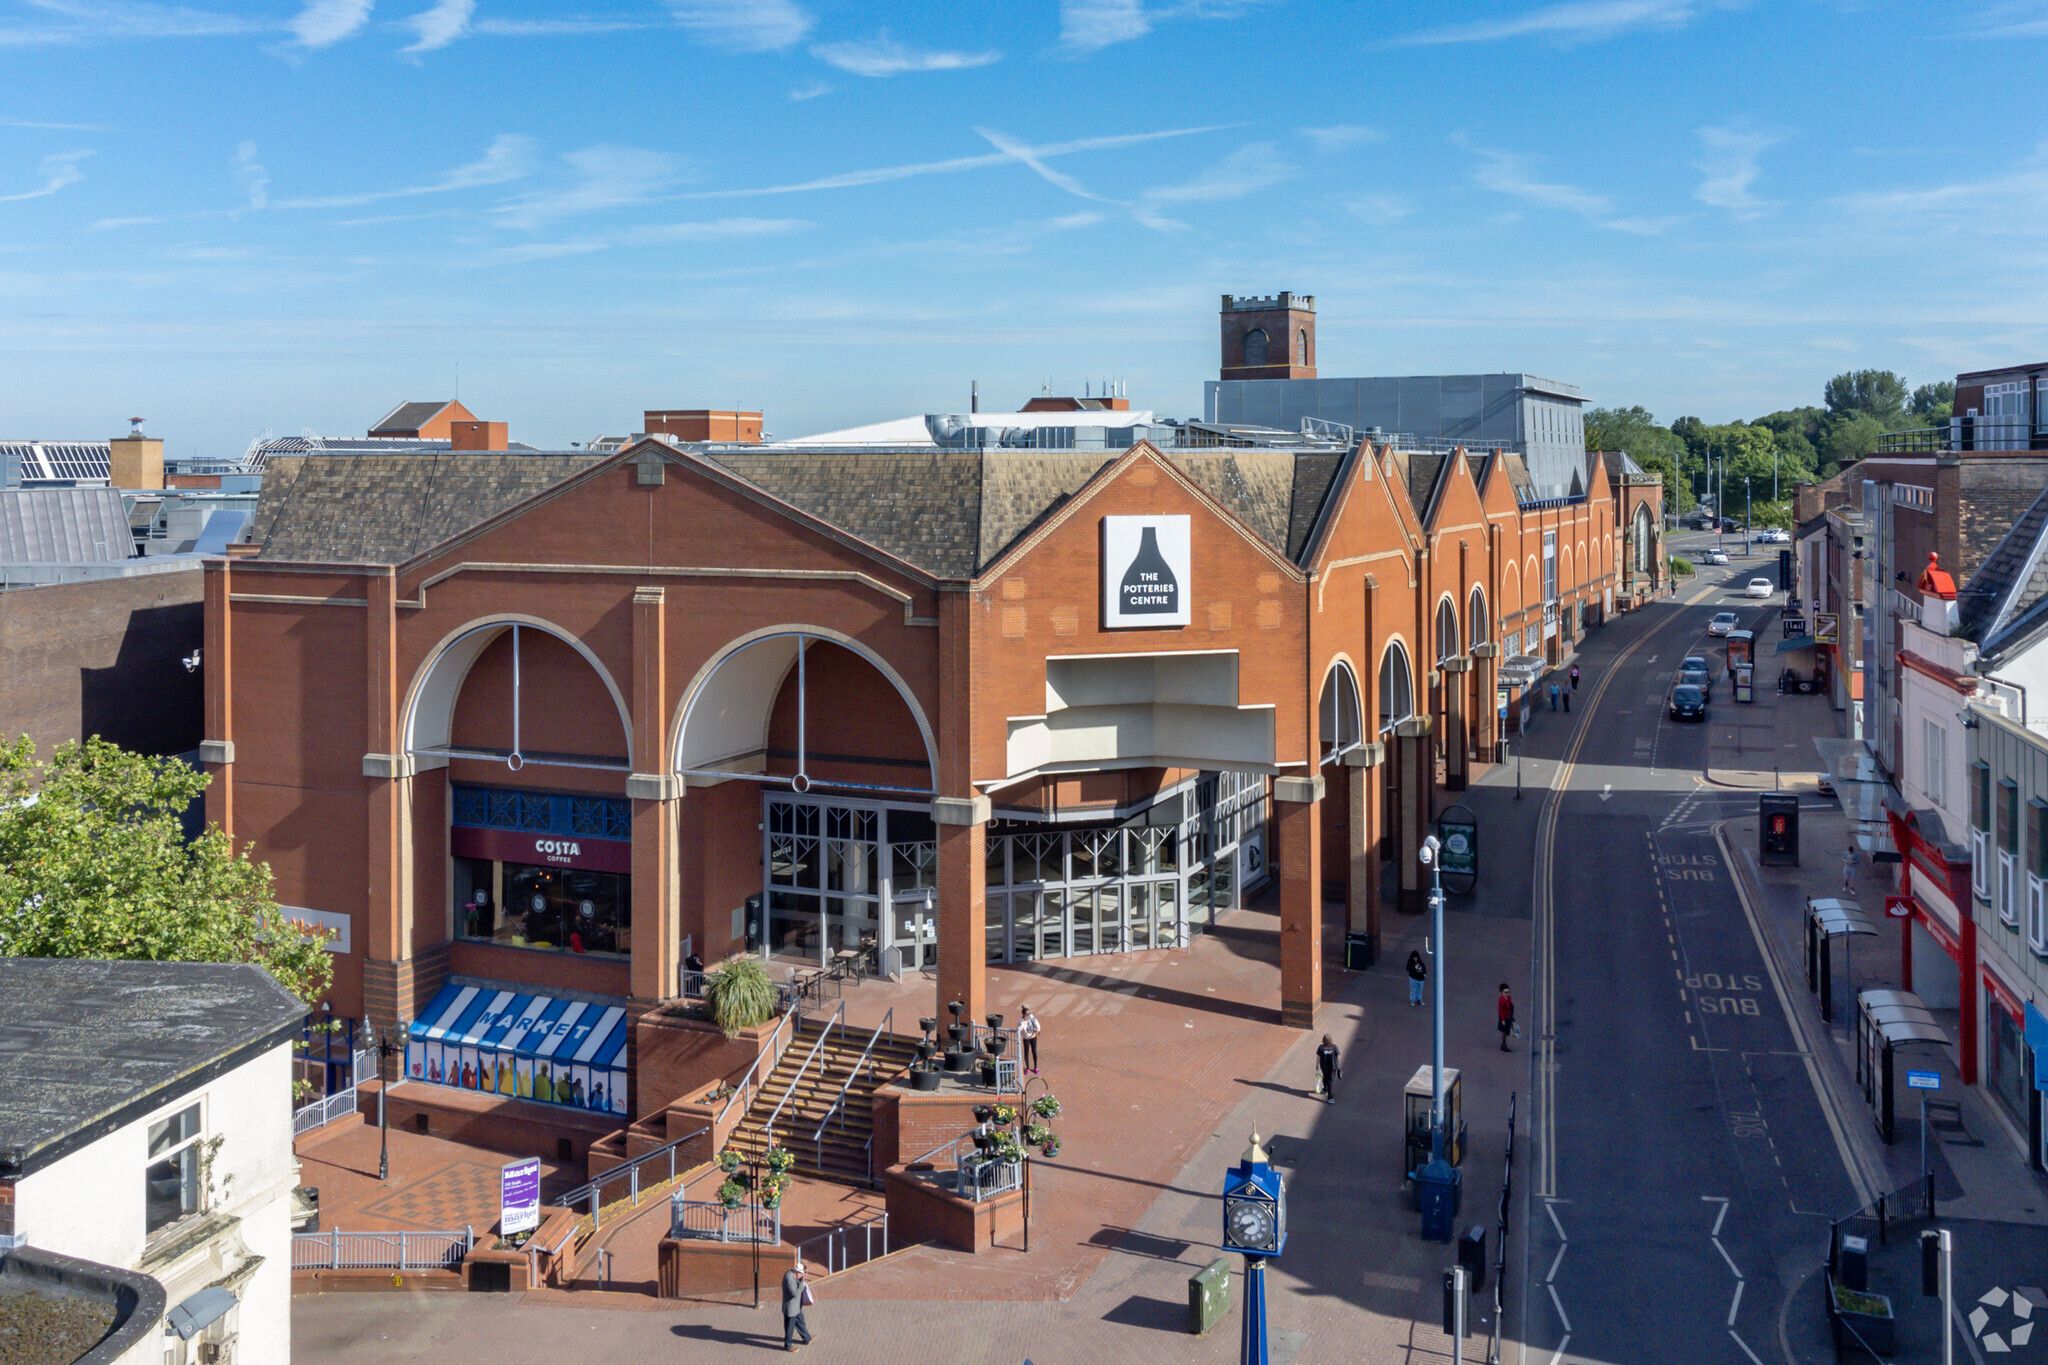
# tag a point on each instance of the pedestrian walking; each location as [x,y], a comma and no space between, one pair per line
[1553,696]
[1027,1032]
[1849,868]
[1418,972]
[1327,1070]
[1507,1015]
[1575,677]
[796,1296]
[1568,697]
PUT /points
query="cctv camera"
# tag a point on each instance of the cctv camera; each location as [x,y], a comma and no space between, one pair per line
[191,662]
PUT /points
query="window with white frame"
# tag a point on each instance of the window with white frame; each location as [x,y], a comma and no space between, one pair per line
[2008,849]
[173,1176]
[2037,875]
[1550,566]
[1980,829]
[1935,740]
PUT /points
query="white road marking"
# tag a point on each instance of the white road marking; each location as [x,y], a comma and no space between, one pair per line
[1555,1262]
[1559,1305]
[1726,1257]
[1736,1306]
[1744,1345]
[1607,791]
[1566,1342]
[1547,1208]
[1722,1200]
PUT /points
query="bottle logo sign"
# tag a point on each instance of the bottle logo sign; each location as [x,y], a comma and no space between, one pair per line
[1145,571]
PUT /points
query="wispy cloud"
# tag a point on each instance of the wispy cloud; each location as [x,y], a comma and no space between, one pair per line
[952,165]
[1340,137]
[253,179]
[743,25]
[109,224]
[2010,21]
[1379,210]
[509,157]
[59,169]
[435,28]
[884,56]
[809,92]
[602,178]
[1247,170]
[567,27]
[1025,156]
[1730,168]
[2023,187]
[59,127]
[654,235]
[1514,175]
[323,23]
[78,19]
[1086,25]
[1581,21]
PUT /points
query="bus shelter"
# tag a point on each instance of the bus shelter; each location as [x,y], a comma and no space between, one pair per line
[1887,1020]
[1827,920]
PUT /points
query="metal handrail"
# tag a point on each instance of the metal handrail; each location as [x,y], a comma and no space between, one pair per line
[838,1108]
[835,1243]
[768,1128]
[628,1171]
[770,1051]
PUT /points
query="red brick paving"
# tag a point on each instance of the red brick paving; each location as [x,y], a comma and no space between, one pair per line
[435,1184]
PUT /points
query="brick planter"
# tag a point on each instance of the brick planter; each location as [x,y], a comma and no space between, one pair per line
[920,1211]
[692,1269]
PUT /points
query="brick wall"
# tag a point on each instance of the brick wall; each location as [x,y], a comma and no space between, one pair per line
[102,658]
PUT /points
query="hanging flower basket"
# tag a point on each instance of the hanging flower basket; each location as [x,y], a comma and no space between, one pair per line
[1037,1134]
[1006,1148]
[1046,1106]
[772,1190]
[1006,1114]
[1052,1146]
[780,1159]
[732,1194]
[730,1160]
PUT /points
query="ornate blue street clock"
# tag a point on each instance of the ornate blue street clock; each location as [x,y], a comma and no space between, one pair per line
[1255,1223]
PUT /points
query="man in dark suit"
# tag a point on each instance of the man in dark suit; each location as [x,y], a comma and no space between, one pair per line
[793,1325]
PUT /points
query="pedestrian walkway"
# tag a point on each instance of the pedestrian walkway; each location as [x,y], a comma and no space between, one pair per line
[434,1184]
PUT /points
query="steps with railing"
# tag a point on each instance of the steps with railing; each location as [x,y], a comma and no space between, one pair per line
[819,1101]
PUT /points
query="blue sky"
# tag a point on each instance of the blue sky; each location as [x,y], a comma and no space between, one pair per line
[252,214]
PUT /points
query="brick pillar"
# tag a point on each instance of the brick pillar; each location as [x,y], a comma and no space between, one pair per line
[217,746]
[963,902]
[1415,770]
[1485,719]
[1456,755]
[1362,886]
[1298,828]
[654,789]
[387,969]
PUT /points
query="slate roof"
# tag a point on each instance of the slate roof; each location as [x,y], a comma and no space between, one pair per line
[385,509]
[409,417]
[63,526]
[91,1045]
[2002,596]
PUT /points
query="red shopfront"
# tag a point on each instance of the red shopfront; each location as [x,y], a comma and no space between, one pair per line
[1936,887]
[543,889]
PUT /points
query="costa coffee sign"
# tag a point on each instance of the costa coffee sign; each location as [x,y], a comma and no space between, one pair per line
[542,850]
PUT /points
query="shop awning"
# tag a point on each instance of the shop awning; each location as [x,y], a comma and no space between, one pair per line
[200,1312]
[2037,1038]
[1900,1017]
[544,1027]
[1837,917]
[1795,643]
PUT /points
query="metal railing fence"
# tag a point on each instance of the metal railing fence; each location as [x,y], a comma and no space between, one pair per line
[838,1109]
[838,1015]
[306,1118]
[848,1245]
[710,1220]
[661,1161]
[750,1084]
[975,1177]
[338,1250]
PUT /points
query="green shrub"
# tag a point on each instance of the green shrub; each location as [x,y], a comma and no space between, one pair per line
[1680,566]
[741,994]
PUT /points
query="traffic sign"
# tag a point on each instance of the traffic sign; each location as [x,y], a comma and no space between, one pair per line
[1923,1080]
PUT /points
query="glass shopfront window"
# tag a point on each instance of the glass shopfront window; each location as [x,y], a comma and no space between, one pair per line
[534,870]
[2005,1057]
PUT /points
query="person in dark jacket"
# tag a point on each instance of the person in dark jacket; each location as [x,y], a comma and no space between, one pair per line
[793,1324]
[1507,1015]
[1326,1065]
[1418,972]
[1575,677]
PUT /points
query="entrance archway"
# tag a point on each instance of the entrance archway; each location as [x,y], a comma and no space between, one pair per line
[428,724]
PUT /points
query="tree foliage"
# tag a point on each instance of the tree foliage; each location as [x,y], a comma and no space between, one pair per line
[1929,399]
[1880,393]
[94,863]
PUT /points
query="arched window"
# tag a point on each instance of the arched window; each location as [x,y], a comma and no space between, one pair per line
[1301,347]
[1255,346]
[1446,630]
[1339,712]
[1476,624]
[1397,688]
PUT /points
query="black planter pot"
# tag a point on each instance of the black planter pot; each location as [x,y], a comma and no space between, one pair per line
[984,1112]
[928,1024]
[988,1072]
[958,1061]
[954,1033]
[926,1049]
[996,1044]
[925,1078]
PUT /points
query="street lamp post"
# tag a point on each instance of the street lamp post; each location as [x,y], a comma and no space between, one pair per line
[1437,1183]
[383,1048]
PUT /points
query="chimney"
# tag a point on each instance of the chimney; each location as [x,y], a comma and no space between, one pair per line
[135,460]
[477,436]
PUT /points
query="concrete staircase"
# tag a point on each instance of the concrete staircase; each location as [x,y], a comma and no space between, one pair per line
[842,1153]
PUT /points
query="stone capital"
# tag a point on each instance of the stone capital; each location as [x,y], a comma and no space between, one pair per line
[1489,650]
[1414,727]
[1300,790]
[961,810]
[216,751]
[1461,664]
[1368,755]
[391,766]
[654,786]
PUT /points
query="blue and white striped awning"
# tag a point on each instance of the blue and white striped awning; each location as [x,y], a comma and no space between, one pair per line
[543,1027]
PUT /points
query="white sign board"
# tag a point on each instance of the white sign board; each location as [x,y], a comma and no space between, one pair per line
[1145,571]
[1923,1080]
[519,1197]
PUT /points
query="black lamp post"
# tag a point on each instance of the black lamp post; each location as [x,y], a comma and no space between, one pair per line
[383,1047]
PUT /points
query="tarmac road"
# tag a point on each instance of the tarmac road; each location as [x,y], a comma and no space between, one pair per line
[1684,1169]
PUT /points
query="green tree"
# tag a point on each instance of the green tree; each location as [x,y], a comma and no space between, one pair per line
[93,863]
[1929,399]
[1633,430]
[1880,393]
[1693,432]
[1849,441]
[1678,496]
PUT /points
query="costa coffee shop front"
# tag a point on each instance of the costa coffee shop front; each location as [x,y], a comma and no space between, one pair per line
[960,708]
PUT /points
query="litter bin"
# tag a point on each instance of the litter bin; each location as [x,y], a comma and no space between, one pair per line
[1437,1186]
[1472,1256]
[1208,1296]
[1360,951]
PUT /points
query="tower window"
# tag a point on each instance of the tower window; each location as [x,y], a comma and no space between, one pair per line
[1255,346]
[1301,347]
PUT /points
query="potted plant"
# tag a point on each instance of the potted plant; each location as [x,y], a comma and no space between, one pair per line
[984,1112]
[1005,1148]
[740,994]
[780,1159]
[1006,1114]
[1037,1134]
[925,1077]
[772,1190]
[732,1194]
[1869,1316]
[1046,1106]
[730,1160]
[1052,1145]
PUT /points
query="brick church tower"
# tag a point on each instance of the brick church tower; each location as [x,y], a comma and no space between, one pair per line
[1269,338]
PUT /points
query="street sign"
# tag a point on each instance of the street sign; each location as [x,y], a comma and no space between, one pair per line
[1795,626]
[1923,1080]
[519,1197]
[1824,627]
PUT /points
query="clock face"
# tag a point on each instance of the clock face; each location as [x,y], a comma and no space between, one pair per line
[1250,1223]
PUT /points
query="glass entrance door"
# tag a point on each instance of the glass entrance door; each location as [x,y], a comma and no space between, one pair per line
[915,930]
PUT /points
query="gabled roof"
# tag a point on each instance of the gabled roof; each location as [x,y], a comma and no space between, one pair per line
[2000,605]
[410,417]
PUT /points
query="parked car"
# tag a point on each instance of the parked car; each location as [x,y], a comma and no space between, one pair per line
[1723,622]
[1688,702]
[1776,537]
[1715,557]
[1759,587]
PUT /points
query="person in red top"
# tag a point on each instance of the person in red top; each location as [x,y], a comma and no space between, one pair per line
[1507,1015]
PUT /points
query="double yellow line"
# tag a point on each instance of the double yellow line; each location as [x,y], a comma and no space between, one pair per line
[1544,1123]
